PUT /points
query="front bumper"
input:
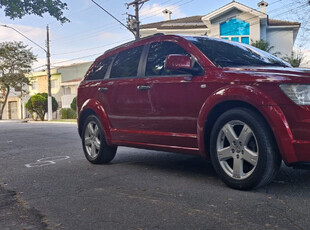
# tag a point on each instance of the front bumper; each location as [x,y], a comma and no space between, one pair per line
[298,120]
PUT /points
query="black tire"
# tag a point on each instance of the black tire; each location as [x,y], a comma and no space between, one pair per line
[243,150]
[95,147]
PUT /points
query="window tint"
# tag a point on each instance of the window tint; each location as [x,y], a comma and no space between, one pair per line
[157,56]
[126,63]
[100,69]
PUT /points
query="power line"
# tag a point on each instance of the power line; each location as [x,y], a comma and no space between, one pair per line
[112,16]
[78,58]
[29,39]
[167,6]
[78,51]
[96,30]
[86,35]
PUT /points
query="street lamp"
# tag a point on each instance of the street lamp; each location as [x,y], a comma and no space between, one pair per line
[48,55]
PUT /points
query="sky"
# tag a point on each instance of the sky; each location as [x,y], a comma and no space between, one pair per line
[92,31]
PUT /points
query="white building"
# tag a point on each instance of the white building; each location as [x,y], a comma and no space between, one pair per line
[235,22]
[15,106]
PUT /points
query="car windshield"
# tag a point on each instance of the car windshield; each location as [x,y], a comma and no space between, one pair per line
[233,54]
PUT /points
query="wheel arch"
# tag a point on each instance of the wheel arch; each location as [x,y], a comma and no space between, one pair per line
[93,107]
[222,107]
[251,98]
[83,116]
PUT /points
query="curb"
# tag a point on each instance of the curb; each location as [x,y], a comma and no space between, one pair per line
[52,122]
[13,121]
[38,122]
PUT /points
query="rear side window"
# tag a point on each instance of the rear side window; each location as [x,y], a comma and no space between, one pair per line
[157,56]
[126,63]
[100,69]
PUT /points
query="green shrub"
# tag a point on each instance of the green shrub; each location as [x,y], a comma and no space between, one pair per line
[67,113]
[73,104]
[37,104]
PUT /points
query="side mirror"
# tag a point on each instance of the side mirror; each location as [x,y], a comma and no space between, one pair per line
[178,62]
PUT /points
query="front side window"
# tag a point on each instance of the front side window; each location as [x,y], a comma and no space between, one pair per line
[126,63]
[157,55]
[100,69]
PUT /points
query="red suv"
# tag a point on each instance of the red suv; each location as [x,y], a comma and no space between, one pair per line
[243,108]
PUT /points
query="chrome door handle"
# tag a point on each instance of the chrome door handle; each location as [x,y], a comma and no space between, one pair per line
[143,87]
[102,90]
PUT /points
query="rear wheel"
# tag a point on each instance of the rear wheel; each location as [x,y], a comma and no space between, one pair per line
[243,150]
[95,147]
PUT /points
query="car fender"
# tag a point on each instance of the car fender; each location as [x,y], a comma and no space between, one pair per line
[257,99]
[97,108]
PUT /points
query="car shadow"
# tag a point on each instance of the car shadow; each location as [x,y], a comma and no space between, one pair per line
[185,165]
[287,181]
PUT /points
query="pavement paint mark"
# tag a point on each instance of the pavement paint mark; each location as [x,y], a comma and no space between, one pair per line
[46,161]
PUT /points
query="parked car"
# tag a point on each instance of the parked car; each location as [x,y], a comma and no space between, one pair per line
[238,106]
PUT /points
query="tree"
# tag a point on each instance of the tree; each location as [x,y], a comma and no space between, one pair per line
[37,104]
[20,8]
[15,62]
[298,11]
[73,104]
[262,44]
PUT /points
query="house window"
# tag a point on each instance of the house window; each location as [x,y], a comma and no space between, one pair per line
[35,85]
[54,84]
[67,90]
[235,39]
[245,40]
[235,30]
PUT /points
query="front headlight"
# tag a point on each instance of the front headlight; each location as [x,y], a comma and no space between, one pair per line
[300,94]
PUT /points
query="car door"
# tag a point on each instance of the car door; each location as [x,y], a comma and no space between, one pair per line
[174,98]
[96,81]
[122,97]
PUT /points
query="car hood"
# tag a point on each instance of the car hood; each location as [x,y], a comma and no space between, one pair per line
[273,73]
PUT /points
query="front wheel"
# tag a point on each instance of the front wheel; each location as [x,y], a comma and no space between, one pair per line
[242,149]
[96,150]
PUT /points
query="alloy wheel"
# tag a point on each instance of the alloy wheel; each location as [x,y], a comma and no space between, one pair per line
[237,150]
[92,139]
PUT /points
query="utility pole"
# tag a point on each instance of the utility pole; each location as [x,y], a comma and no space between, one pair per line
[137,4]
[48,56]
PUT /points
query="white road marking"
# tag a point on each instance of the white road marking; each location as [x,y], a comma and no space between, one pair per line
[46,161]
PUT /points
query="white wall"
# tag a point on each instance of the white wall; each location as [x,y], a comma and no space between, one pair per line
[263,30]
[67,100]
[282,40]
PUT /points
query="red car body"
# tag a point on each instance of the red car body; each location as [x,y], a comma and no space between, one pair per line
[177,113]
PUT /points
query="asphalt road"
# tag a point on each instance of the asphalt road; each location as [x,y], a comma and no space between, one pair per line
[46,183]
